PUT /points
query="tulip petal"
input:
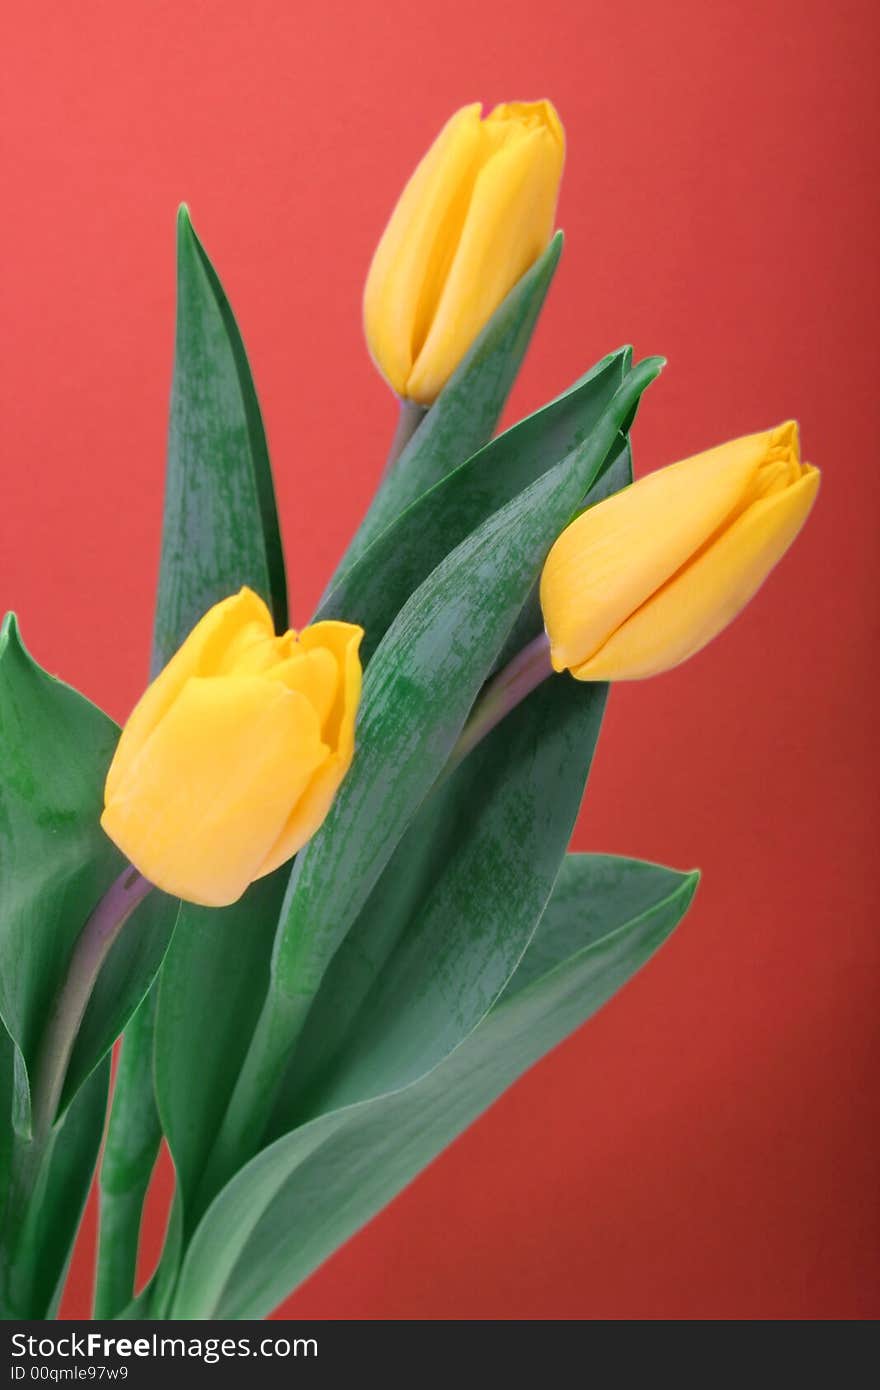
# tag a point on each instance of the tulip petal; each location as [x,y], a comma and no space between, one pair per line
[612,557]
[201,654]
[209,791]
[343,639]
[411,260]
[314,674]
[508,224]
[707,594]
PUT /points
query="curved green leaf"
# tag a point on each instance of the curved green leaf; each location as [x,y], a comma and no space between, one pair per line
[220,529]
[55,748]
[420,685]
[419,689]
[310,1190]
[458,902]
[374,589]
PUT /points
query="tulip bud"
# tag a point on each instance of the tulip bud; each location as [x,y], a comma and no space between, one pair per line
[232,757]
[477,212]
[643,580]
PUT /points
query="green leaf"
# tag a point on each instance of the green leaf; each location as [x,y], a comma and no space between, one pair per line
[467,410]
[221,525]
[9,1056]
[443,931]
[35,1256]
[418,691]
[436,941]
[419,687]
[212,988]
[130,968]
[374,589]
[55,748]
[310,1190]
[220,532]
[133,1138]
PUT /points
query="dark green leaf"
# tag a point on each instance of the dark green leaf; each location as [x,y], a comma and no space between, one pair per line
[130,968]
[55,748]
[405,987]
[221,526]
[133,1138]
[420,685]
[212,987]
[374,589]
[457,904]
[419,688]
[310,1190]
[220,532]
[33,1264]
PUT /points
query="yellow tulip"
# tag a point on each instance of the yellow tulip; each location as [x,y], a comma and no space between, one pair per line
[477,212]
[231,759]
[640,582]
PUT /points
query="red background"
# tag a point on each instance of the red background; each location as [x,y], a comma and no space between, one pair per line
[707,1147]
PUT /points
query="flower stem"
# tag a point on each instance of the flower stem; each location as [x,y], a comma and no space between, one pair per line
[503,693]
[410,417]
[91,950]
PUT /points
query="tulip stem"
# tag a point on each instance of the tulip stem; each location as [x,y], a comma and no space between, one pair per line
[410,417]
[91,950]
[503,693]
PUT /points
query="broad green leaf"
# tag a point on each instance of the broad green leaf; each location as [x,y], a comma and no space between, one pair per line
[309,1191]
[374,589]
[418,691]
[468,408]
[478,818]
[220,529]
[419,687]
[203,1029]
[436,941]
[55,748]
[442,933]
[34,1260]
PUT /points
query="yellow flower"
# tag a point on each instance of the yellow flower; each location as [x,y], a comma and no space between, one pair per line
[232,757]
[643,580]
[477,212]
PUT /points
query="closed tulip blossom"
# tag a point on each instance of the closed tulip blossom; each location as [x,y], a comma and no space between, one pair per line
[231,759]
[476,214]
[643,580]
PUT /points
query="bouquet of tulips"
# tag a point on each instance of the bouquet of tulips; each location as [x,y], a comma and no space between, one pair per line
[319,883]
